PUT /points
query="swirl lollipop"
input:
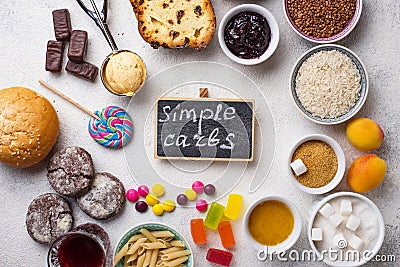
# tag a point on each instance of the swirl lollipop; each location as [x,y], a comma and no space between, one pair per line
[114,129]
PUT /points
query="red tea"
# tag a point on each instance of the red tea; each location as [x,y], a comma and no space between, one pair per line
[80,250]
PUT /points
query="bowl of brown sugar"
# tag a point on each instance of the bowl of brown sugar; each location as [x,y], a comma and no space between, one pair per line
[316,164]
[322,21]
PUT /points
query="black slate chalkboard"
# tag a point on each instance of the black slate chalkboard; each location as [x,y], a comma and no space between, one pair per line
[204,129]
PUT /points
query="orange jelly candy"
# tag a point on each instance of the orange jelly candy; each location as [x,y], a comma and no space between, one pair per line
[198,231]
[226,234]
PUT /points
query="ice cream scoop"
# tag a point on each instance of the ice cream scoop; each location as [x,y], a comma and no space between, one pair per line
[123,72]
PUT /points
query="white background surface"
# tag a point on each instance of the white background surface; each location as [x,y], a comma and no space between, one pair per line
[25,27]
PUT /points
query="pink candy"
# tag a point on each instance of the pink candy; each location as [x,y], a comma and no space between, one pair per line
[132,195]
[201,205]
[198,187]
[143,190]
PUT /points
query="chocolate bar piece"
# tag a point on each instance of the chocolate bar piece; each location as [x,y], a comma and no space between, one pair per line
[62,24]
[83,70]
[54,55]
[77,46]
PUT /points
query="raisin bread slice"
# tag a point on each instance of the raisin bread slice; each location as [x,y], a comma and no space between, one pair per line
[175,23]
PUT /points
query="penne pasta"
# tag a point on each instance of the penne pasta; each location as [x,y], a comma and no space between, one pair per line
[162,234]
[152,249]
[149,235]
[177,243]
[166,243]
[176,262]
[147,258]
[154,257]
[136,246]
[168,238]
[141,250]
[121,253]
[169,250]
[174,255]
[140,260]
[134,238]
[153,245]
[132,257]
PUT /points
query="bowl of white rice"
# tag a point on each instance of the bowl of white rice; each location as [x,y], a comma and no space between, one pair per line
[329,84]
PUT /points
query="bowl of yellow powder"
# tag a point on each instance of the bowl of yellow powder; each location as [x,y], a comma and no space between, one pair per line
[322,164]
[272,224]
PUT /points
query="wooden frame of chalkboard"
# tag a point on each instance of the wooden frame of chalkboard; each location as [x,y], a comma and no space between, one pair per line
[248,124]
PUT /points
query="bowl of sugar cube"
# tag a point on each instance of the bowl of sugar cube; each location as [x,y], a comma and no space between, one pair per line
[346,229]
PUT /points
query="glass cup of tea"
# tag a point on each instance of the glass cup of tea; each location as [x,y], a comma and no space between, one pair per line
[77,249]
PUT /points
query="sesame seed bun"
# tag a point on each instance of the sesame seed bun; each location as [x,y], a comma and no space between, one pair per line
[28,127]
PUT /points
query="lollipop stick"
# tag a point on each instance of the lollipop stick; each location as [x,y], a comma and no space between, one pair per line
[54,90]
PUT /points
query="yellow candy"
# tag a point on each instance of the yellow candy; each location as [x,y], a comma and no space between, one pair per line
[158,209]
[158,190]
[191,194]
[168,205]
[151,199]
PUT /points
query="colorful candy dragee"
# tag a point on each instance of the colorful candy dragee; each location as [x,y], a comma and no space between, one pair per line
[168,205]
[158,190]
[132,195]
[114,129]
[182,199]
[141,206]
[198,187]
[152,199]
[201,205]
[143,190]
[158,209]
[191,194]
[209,189]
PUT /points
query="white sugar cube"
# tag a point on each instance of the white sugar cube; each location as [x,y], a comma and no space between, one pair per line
[336,219]
[327,210]
[339,241]
[316,234]
[345,207]
[298,167]
[355,242]
[353,222]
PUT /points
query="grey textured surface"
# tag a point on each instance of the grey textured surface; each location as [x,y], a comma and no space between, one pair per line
[25,27]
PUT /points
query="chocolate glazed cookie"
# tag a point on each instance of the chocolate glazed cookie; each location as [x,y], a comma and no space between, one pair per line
[70,171]
[49,217]
[105,197]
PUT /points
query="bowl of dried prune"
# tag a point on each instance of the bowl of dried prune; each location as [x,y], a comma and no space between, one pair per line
[322,21]
[248,34]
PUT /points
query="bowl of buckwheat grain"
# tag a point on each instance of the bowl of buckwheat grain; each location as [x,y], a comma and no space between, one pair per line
[322,21]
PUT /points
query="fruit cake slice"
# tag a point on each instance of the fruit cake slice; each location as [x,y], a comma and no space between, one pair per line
[175,23]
